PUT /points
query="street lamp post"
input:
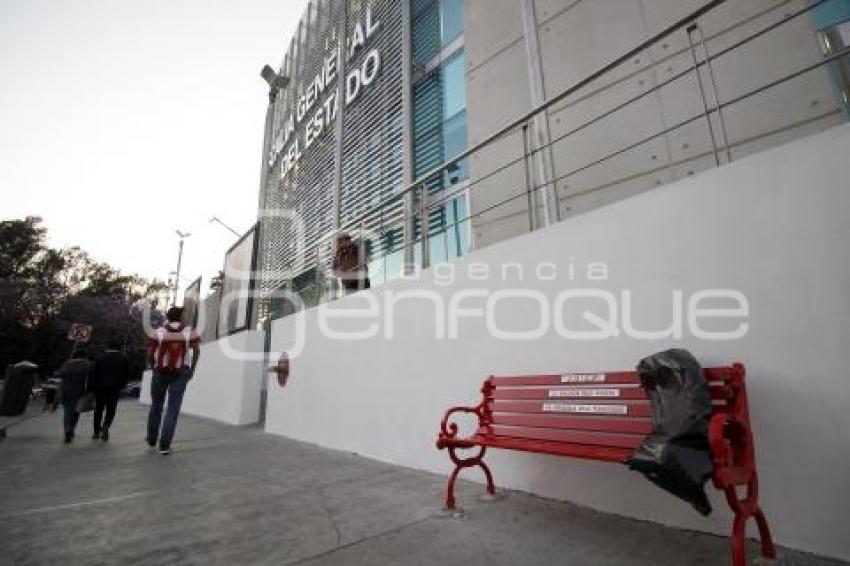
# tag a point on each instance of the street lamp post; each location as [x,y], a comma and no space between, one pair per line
[276,82]
[182,236]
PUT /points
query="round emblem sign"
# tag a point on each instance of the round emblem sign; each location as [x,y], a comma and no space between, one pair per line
[281,369]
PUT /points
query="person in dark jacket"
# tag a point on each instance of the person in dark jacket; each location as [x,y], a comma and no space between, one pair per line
[74,374]
[109,375]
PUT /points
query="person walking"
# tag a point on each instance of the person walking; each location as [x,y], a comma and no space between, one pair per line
[109,375]
[174,351]
[74,374]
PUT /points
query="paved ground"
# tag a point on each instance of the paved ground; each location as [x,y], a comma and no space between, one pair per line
[237,496]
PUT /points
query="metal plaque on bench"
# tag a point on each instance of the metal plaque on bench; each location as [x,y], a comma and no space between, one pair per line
[585,392]
[582,408]
[583,378]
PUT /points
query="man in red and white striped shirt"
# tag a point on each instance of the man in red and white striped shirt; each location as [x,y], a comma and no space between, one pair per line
[173,350]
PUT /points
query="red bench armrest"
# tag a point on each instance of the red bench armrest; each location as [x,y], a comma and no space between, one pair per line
[731,442]
[448,430]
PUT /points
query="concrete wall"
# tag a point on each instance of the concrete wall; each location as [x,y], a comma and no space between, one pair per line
[772,226]
[578,38]
[226,386]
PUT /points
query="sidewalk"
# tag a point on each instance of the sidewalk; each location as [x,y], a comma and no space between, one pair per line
[231,495]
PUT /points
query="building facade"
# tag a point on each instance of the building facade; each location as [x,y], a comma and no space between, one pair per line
[382,95]
[375,96]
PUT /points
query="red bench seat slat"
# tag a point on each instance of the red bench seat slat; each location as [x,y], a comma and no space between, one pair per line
[554,407]
[568,436]
[719,374]
[585,393]
[585,451]
[628,426]
[588,394]
[590,378]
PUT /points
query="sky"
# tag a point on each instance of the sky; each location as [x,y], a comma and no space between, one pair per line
[122,121]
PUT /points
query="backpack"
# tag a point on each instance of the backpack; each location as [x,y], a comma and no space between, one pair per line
[171,354]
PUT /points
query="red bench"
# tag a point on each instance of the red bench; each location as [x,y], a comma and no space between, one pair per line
[604,416]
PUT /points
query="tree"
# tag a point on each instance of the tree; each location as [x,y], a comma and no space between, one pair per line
[90,278]
[30,288]
[21,248]
[43,291]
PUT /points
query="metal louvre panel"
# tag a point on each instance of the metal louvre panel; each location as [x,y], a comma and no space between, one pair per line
[308,188]
[427,123]
[372,152]
[426,30]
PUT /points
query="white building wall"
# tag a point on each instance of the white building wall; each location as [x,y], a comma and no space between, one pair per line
[228,380]
[773,226]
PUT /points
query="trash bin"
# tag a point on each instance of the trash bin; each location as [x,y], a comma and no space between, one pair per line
[17,388]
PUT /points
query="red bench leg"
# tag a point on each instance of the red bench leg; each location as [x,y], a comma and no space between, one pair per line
[461,463]
[739,542]
[767,548]
[491,489]
[450,489]
[744,509]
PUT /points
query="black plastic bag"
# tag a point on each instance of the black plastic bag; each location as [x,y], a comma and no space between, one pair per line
[675,455]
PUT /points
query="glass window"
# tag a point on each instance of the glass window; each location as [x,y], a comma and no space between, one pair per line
[454,85]
[454,135]
[306,286]
[394,265]
[448,237]
[437,248]
[451,15]
[458,228]
[454,142]
[439,119]
[454,116]
[440,126]
[436,23]
[830,13]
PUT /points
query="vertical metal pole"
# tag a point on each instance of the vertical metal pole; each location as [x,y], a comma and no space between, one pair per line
[262,307]
[317,277]
[445,227]
[177,276]
[362,263]
[407,136]
[713,81]
[424,226]
[309,28]
[528,192]
[690,30]
[262,227]
[409,234]
[544,156]
[340,111]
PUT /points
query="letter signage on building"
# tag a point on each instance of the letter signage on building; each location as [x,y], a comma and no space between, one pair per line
[318,105]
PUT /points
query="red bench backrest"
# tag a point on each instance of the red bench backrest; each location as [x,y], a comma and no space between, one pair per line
[606,409]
